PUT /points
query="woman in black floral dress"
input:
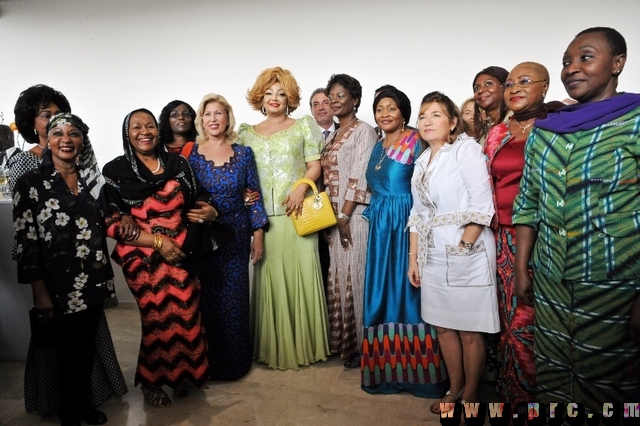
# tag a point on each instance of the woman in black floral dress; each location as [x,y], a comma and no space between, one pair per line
[61,251]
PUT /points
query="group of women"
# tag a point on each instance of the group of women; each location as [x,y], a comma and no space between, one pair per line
[430,252]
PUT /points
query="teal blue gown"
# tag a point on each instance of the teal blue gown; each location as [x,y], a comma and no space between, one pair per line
[399,350]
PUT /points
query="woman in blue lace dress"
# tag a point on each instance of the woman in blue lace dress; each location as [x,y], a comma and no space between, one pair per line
[226,170]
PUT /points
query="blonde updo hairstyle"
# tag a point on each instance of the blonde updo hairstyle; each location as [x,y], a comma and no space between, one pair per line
[230,132]
[268,78]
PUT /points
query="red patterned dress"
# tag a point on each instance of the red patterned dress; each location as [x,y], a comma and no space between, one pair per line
[517,380]
[173,347]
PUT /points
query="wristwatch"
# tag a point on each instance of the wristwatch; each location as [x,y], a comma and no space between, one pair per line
[466,244]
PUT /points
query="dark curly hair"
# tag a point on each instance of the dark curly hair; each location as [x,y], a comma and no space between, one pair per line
[349,83]
[165,135]
[29,104]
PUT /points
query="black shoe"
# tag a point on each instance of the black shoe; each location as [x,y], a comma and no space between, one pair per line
[93,417]
[353,361]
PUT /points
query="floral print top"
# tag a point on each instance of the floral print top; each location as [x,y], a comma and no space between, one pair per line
[59,238]
[282,158]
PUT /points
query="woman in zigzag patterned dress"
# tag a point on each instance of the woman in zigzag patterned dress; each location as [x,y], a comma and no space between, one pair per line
[156,189]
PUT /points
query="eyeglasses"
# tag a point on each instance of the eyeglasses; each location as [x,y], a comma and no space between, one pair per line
[486,85]
[176,114]
[523,82]
[340,96]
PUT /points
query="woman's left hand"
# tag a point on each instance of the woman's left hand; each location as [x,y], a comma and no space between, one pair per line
[128,228]
[294,201]
[204,212]
[634,322]
[257,246]
[345,234]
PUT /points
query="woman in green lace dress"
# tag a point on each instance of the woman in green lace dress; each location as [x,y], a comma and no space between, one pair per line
[290,326]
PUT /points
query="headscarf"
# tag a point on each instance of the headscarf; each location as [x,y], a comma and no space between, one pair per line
[87,161]
[129,182]
[404,105]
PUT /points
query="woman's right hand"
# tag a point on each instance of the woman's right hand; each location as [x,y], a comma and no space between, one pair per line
[414,273]
[523,287]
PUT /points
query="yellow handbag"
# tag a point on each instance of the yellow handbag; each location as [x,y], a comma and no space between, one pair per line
[317,212]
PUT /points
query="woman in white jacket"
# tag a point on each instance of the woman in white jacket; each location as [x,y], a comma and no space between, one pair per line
[452,251]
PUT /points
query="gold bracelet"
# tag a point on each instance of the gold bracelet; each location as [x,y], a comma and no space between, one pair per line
[411,253]
[260,230]
[157,242]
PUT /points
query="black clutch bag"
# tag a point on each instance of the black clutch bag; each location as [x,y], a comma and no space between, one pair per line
[45,332]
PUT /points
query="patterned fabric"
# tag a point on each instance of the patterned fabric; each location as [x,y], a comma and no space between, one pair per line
[173,346]
[224,303]
[53,227]
[280,161]
[41,374]
[19,164]
[289,313]
[41,390]
[458,288]
[399,351]
[344,163]
[517,379]
[580,192]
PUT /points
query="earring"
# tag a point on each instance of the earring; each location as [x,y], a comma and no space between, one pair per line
[403,125]
[286,110]
[616,73]
[35,131]
[263,110]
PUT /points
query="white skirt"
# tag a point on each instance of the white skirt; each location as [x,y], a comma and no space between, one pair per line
[458,287]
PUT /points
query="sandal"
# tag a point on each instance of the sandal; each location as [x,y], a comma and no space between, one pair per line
[156,396]
[435,407]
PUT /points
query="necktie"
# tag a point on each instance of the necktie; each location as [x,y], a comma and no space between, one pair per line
[326,134]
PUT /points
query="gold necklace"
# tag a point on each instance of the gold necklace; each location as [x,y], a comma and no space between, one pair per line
[384,152]
[523,128]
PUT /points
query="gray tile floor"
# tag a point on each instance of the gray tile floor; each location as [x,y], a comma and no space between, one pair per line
[321,394]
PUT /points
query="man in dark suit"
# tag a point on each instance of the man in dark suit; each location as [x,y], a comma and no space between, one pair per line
[321,111]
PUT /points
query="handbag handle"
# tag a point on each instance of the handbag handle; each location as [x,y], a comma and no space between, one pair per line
[308,182]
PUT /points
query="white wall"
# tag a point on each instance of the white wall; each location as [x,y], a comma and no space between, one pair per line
[111,56]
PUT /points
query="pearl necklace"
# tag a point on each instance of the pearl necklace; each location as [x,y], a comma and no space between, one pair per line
[155,172]
[523,128]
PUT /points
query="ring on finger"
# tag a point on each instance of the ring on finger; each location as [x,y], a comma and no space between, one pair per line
[200,221]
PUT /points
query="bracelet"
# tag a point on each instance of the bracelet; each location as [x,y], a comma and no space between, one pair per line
[341,215]
[157,242]
[466,244]
[260,230]
[411,253]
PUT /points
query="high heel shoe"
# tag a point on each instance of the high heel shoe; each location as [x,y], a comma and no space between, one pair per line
[449,405]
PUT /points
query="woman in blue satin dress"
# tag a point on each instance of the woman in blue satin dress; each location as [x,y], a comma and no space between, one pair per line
[399,350]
